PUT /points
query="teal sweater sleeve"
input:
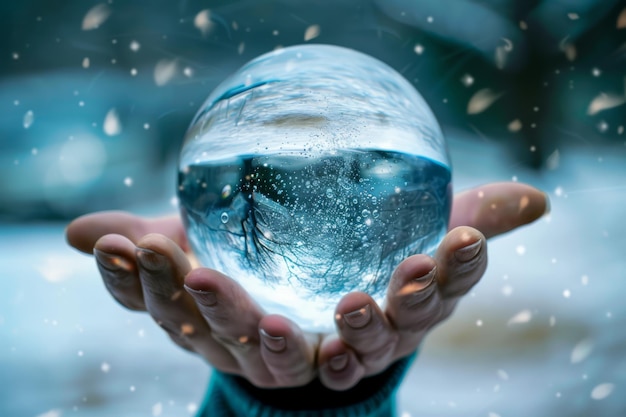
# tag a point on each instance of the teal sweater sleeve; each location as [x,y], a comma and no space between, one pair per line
[231,396]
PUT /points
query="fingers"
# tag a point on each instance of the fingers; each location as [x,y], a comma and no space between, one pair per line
[115,257]
[339,367]
[498,208]
[363,326]
[413,299]
[162,266]
[234,320]
[270,350]
[462,261]
[288,353]
[424,291]
[365,344]
[83,232]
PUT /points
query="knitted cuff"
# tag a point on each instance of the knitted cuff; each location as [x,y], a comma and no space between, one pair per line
[374,396]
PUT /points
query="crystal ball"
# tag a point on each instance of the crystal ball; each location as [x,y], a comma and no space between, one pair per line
[312,172]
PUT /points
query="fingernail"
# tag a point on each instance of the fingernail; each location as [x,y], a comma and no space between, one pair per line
[421,286]
[151,260]
[468,252]
[358,318]
[274,343]
[426,280]
[112,262]
[204,297]
[339,362]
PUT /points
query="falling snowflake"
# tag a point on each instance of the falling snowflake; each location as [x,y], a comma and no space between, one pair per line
[96,16]
[523,316]
[605,101]
[29,119]
[112,125]
[86,63]
[569,50]
[567,293]
[418,49]
[602,391]
[128,181]
[515,125]
[581,351]
[520,249]
[105,367]
[164,71]
[203,22]
[134,46]
[482,100]
[596,72]
[500,57]
[603,126]
[503,375]
[467,80]
[157,409]
[311,32]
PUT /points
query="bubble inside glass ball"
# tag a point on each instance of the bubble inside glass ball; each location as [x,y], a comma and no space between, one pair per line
[312,172]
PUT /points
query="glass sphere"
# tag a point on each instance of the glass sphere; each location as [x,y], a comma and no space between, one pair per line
[312,172]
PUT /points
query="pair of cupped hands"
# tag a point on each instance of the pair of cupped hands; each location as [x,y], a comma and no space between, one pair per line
[145,265]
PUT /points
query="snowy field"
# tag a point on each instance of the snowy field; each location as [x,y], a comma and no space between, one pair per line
[541,335]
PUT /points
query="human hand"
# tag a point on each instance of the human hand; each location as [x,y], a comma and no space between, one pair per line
[144,266]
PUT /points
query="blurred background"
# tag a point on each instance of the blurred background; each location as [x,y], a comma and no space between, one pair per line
[95,99]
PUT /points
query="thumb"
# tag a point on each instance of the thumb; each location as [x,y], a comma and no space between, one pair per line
[498,208]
